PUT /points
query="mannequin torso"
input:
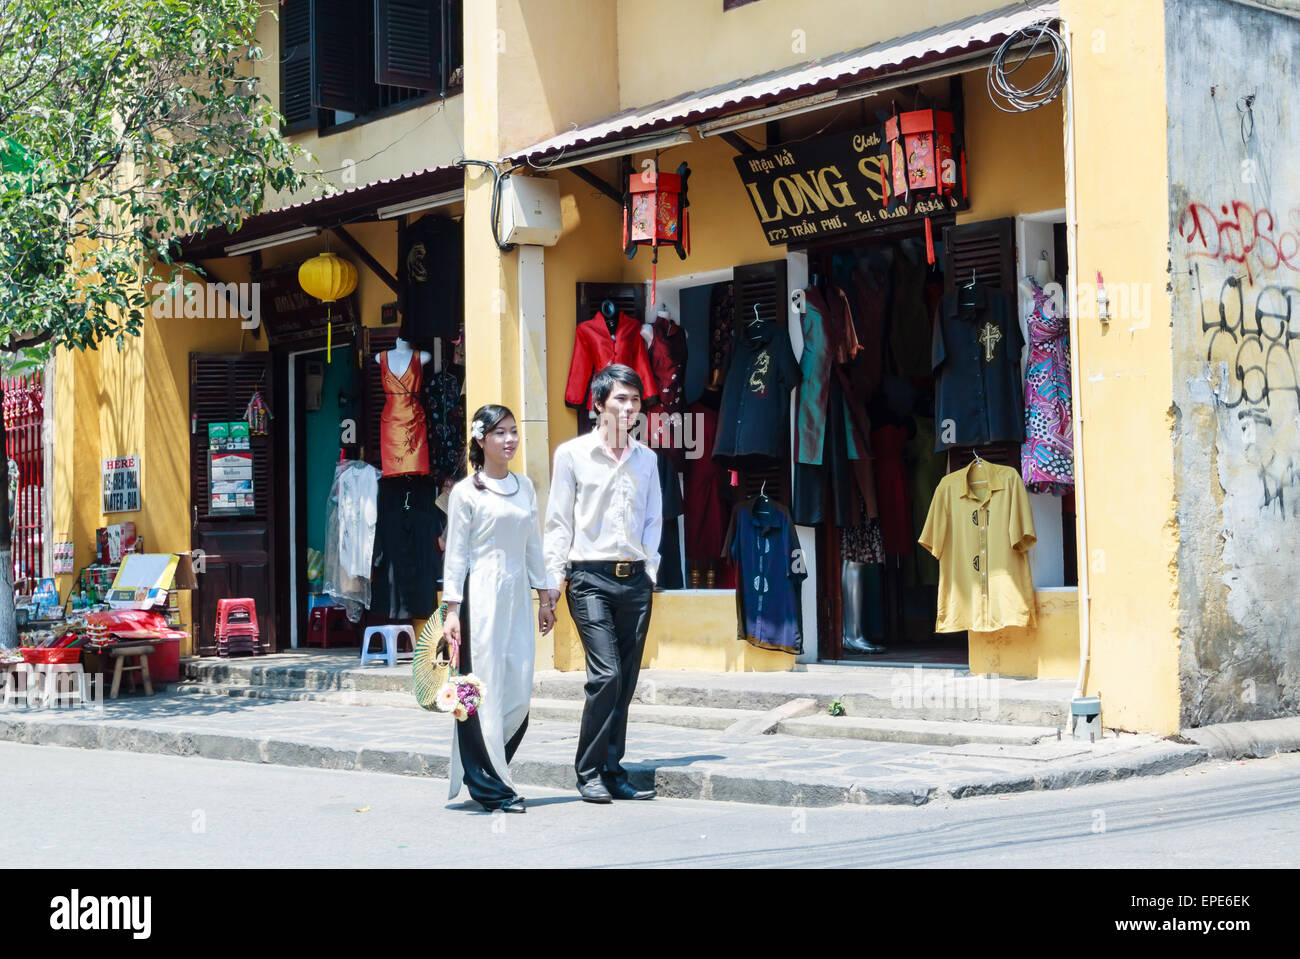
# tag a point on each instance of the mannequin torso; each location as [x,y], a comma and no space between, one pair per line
[399,357]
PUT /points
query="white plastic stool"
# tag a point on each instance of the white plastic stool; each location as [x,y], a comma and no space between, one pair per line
[53,696]
[390,635]
[29,684]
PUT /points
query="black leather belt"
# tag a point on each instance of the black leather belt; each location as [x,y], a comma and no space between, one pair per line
[619,570]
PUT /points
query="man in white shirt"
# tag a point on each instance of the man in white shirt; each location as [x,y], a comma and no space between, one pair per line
[603,520]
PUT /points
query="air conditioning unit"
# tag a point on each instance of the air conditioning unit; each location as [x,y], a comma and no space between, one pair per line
[530,211]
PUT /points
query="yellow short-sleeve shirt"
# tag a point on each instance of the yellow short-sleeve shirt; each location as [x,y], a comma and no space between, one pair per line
[980,528]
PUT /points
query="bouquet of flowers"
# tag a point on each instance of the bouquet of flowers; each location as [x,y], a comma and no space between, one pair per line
[461,696]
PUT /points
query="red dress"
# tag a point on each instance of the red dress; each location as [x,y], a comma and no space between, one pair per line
[594,349]
[403,430]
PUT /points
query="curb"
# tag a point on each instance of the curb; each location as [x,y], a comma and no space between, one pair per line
[1257,739]
[670,782]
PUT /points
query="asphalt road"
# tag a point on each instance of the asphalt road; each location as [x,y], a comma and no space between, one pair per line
[179,812]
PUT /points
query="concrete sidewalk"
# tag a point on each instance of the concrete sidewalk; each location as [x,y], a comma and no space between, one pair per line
[680,762]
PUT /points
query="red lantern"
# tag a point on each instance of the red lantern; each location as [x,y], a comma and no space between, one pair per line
[920,157]
[654,215]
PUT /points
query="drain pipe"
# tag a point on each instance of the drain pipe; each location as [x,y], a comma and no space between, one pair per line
[1072,283]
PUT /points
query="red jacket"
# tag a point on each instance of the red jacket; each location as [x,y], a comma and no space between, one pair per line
[594,349]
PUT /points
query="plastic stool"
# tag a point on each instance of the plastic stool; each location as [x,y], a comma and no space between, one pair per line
[30,684]
[330,624]
[52,696]
[390,635]
[234,613]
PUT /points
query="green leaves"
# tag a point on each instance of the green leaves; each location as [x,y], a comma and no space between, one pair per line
[123,124]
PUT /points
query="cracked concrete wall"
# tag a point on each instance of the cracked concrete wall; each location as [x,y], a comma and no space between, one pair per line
[1234,211]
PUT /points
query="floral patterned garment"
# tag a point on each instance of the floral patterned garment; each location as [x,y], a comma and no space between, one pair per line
[1047,456]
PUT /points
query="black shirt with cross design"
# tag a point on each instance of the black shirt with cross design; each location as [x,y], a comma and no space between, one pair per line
[979,395]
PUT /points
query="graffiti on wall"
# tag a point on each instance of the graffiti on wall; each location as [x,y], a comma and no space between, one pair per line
[1255,238]
[1245,265]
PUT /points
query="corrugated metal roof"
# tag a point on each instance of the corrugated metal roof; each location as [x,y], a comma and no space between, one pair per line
[325,211]
[963,36]
[402,178]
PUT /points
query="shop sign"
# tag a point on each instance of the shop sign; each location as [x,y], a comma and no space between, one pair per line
[835,184]
[121,484]
[289,314]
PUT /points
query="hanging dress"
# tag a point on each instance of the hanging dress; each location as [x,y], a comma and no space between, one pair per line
[403,430]
[494,557]
[1047,455]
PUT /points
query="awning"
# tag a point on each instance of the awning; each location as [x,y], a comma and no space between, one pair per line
[968,37]
[345,206]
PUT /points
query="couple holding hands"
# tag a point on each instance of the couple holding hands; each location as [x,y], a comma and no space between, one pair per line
[603,521]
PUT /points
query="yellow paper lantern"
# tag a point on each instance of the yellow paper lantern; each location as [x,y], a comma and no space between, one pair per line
[328,278]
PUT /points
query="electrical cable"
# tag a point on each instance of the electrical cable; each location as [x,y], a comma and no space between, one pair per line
[497,177]
[1044,91]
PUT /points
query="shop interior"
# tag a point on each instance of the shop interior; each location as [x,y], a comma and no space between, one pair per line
[876,588]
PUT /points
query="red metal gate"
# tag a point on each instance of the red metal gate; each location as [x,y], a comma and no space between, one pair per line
[24,412]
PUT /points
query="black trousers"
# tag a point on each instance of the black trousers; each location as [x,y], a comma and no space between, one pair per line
[485,786]
[612,616]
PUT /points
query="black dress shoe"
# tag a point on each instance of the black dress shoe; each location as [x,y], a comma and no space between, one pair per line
[514,805]
[625,790]
[594,791]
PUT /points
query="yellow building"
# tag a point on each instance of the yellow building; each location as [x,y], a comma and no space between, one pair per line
[778,109]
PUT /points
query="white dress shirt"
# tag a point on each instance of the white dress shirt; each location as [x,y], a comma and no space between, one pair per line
[602,508]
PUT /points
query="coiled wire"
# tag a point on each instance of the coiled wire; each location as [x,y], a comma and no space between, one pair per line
[1044,91]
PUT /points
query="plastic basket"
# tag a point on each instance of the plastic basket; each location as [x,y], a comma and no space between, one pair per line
[51,656]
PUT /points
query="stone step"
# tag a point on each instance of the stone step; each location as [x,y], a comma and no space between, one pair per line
[564,710]
[879,694]
[918,731]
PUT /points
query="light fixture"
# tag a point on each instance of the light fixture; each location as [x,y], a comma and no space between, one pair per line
[424,203]
[618,149]
[834,98]
[275,239]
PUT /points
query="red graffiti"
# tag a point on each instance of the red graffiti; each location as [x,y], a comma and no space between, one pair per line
[1240,233]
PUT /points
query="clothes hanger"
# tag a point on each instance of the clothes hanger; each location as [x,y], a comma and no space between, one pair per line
[971,284]
[756,319]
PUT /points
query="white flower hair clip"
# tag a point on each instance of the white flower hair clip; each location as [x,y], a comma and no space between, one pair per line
[476,429]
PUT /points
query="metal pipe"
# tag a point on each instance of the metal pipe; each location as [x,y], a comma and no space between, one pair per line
[1076,404]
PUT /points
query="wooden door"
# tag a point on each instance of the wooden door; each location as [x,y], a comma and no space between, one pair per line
[237,551]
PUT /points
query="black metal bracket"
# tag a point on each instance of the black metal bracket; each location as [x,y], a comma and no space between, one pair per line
[375,266]
[737,142]
[586,176]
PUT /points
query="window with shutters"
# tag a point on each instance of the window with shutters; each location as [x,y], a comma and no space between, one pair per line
[345,62]
[220,388]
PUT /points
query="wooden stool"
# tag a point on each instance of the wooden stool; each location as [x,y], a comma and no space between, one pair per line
[120,656]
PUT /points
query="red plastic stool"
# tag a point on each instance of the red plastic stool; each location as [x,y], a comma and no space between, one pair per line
[237,627]
[236,616]
[330,624]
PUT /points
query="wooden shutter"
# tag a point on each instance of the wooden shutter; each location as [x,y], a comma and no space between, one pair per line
[408,43]
[373,395]
[341,55]
[763,285]
[988,248]
[295,66]
[221,386]
[628,297]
